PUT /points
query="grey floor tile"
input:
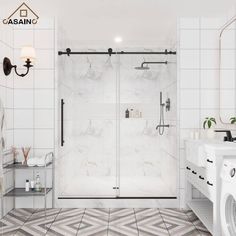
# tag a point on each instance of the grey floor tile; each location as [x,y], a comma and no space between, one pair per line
[97,211]
[71,211]
[151,225]
[65,225]
[174,213]
[10,225]
[27,212]
[102,222]
[49,212]
[121,211]
[123,225]
[183,230]
[93,225]
[146,211]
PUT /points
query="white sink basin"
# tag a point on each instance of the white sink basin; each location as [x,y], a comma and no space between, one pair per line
[197,151]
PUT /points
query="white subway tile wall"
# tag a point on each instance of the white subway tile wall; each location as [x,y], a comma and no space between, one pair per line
[28,101]
[34,101]
[6,98]
[198,80]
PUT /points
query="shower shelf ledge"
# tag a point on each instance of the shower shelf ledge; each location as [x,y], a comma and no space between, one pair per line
[20,166]
[20,192]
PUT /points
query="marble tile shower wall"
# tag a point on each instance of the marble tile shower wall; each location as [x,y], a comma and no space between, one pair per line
[6,108]
[198,80]
[90,84]
[169,141]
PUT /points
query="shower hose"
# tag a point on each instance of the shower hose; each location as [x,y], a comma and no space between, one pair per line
[161,127]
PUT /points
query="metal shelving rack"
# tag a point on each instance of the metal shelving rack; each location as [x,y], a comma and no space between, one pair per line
[20,192]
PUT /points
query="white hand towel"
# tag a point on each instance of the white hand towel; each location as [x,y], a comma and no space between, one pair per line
[32,161]
[41,161]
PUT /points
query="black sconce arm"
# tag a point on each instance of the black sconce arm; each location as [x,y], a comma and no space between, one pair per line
[7,67]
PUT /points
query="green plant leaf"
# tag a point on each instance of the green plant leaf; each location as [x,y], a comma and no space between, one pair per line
[213,120]
[209,124]
[233,120]
[204,124]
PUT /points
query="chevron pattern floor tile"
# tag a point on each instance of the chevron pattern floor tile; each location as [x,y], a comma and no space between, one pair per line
[102,222]
[151,225]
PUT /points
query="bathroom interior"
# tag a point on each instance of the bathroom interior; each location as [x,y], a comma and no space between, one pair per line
[118,118]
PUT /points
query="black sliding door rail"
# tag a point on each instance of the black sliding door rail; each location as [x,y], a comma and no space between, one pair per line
[110,52]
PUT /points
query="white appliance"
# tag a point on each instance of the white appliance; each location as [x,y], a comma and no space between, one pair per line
[228,197]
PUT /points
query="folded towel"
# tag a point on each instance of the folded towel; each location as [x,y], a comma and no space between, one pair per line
[32,161]
[39,161]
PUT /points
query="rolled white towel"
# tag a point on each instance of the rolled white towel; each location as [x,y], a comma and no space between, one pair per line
[32,161]
[41,160]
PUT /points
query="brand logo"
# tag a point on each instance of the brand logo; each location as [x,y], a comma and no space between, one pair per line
[23,15]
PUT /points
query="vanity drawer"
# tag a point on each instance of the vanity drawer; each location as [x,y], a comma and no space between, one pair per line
[210,184]
[192,172]
[210,163]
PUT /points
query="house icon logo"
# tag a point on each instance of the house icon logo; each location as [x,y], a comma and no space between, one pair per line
[23,15]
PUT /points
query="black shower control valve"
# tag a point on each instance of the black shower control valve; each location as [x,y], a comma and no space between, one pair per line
[208,160]
[194,172]
[188,168]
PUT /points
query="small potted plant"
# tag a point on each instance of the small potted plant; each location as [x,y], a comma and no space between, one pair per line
[233,120]
[208,124]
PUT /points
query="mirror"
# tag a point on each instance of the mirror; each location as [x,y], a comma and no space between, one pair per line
[227,70]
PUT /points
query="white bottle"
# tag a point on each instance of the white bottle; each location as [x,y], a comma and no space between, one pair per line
[137,113]
[27,185]
[32,185]
[131,114]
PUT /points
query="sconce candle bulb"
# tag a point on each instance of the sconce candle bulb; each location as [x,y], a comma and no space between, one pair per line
[27,54]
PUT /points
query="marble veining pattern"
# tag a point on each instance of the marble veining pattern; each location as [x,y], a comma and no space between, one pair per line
[90,156]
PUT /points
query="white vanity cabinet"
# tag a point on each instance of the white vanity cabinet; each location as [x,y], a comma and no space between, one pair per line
[203,166]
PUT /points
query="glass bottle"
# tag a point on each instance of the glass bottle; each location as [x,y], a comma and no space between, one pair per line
[37,186]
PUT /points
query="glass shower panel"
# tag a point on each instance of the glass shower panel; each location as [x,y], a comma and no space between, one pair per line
[142,162]
[88,158]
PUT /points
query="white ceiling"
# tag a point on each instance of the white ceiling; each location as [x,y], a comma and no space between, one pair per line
[137,21]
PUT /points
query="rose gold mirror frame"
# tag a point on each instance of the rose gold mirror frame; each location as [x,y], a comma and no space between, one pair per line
[228,23]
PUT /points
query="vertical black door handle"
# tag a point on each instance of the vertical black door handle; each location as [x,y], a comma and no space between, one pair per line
[62,122]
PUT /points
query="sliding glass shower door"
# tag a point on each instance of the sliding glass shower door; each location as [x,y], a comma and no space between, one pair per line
[112,148]
[146,157]
[88,158]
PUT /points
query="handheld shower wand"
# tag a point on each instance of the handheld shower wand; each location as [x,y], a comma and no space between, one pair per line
[161,126]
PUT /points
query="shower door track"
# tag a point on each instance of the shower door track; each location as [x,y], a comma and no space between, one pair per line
[110,52]
[117,198]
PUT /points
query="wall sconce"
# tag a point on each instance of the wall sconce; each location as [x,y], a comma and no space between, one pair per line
[27,54]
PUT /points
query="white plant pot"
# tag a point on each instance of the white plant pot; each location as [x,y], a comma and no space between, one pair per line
[210,133]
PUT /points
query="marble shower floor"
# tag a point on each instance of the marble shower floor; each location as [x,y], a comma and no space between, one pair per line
[102,222]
